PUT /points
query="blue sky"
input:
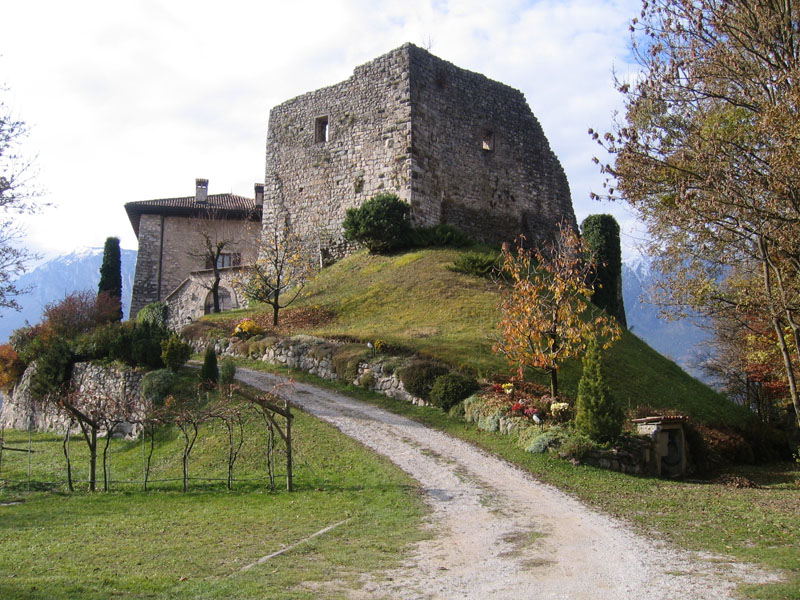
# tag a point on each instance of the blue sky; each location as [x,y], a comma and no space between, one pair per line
[133,101]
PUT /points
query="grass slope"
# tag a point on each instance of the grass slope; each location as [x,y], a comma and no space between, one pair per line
[413,301]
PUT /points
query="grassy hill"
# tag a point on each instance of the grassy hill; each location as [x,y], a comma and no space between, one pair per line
[415,302]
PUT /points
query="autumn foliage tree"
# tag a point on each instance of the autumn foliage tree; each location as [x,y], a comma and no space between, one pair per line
[547,316]
[707,156]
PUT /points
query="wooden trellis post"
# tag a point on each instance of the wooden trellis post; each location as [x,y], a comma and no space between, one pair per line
[285,411]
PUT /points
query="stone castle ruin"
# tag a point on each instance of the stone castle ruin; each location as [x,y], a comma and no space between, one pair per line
[458,147]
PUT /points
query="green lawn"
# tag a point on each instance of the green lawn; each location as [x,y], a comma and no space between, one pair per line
[167,544]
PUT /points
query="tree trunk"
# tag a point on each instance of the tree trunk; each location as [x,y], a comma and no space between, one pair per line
[152,431]
[93,459]
[777,324]
[554,383]
[106,470]
[288,448]
[275,313]
[215,290]
[66,456]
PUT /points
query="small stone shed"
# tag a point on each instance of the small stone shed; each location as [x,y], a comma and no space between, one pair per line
[669,443]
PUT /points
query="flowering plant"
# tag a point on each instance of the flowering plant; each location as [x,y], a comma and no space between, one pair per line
[517,408]
[247,328]
[508,388]
[530,411]
[560,411]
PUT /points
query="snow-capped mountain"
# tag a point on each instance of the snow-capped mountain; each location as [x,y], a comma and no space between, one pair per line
[679,339]
[57,277]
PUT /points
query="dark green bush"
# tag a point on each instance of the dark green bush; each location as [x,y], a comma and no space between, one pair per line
[137,344]
[598,414]
[601,234]
[25,342]
[53,367]
[154,313]
[157,385]
[175,352]
[450,389]
[441,235]
[209,373]
[478,264]
[381,224]
[418,377]
[227,371]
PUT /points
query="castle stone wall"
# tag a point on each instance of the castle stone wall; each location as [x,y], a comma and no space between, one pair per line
[411,123]
[312,181]
[480,159]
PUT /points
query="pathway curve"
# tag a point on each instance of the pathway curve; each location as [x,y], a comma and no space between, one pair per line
[499,533]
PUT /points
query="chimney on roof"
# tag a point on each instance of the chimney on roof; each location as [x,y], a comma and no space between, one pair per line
[259,187]
[201,191]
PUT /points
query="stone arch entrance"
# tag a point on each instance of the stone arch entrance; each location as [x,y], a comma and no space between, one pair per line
[225,301]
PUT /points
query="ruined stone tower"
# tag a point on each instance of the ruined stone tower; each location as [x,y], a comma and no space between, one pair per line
[459,147]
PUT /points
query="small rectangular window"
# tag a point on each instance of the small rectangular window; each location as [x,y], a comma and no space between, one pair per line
[226,260]
[488,141]
[321,129]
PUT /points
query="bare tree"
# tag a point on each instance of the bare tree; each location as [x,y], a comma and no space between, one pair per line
[17,196]
[281,271]
[220,239]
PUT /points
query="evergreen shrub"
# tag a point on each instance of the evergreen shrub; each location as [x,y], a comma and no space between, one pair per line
[419,376]
[598,415]
[478,264]
[175,352]
[381,224]
[157,385]
[154,314]
[53,367]
[209,372]
[450,389]
[227,371]
[438,236]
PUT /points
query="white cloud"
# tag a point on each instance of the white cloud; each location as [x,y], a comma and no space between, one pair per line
[134,103]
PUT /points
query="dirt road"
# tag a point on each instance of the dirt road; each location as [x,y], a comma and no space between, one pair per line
[499,533]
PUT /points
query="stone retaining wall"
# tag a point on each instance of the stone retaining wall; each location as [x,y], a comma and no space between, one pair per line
[123,386]
[315,356]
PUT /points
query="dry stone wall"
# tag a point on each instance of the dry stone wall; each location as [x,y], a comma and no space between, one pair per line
[21,411]
[315,356]
[461,148]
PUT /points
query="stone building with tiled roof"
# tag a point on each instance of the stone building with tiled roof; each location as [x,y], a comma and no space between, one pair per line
[171,265]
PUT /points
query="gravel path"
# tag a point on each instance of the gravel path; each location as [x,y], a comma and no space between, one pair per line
[499,533]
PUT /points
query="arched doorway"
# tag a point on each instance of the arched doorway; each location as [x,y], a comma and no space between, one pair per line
[225,301]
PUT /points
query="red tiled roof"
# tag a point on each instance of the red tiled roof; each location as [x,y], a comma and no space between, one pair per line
[226,206]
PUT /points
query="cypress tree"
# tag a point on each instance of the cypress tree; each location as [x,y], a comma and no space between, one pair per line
[598,414]
[111,273]
[209,372]
[601,234]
